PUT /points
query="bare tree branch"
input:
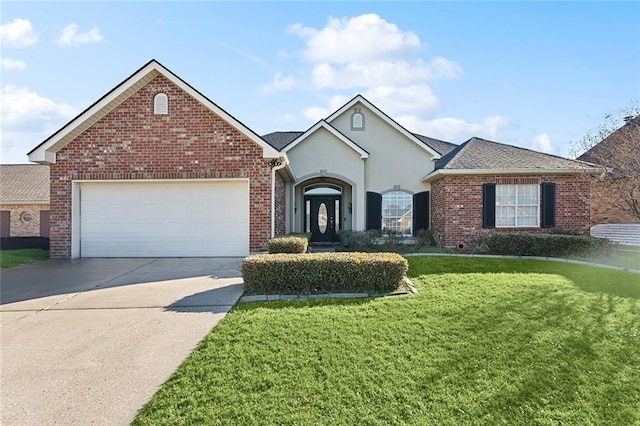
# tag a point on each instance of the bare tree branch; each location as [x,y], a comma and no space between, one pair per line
[615,145]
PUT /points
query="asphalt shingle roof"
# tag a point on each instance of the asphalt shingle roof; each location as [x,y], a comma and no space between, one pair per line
[24,183]
[623,141]
[477,153]
[441,147]
[279,140]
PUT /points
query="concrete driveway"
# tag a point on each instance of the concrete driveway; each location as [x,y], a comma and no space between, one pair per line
[90,341]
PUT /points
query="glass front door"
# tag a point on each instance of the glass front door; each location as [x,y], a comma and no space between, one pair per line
[322,217]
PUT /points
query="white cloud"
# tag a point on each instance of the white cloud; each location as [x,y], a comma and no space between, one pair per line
[456,130]
[357,39]
[444,68]
[27,119]
[367,54]
[357,74]
[18,33]
[279,83]
[71,37]
[543,143]
[12,64]
[403,99]
[314,113]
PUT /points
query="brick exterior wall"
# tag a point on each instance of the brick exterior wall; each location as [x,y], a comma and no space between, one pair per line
[456,206]
[280,205]
[603,212]
[130,142]
[20,228]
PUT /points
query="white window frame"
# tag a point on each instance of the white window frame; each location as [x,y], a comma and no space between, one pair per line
[357,115]
[398,218]
[161,104]
[516,205]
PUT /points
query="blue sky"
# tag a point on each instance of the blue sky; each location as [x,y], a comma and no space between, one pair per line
[537,75]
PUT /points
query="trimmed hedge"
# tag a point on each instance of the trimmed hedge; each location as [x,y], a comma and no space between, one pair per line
[313,273]
[544,244]
[288,244]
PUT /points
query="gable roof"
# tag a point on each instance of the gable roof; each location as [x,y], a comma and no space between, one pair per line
[335,132]
[436,144]
[279,140]
[481,156]
[45,152]
[623,141]
[24,184]
[360,99]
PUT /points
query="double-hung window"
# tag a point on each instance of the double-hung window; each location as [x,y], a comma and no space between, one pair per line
[517,206]
[397,212]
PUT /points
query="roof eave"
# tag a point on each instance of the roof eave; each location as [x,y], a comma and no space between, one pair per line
[359,98]
[438,173]
[23,202]
[45,153]
[324,125]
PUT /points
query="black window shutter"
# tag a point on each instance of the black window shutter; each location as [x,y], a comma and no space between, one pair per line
[489,205]
[420,211]
[374,210]
[548,207]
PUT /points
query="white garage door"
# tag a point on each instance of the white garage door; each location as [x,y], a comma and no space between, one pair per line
[164,219]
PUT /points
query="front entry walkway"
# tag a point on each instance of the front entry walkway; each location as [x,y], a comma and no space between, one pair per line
[90,341]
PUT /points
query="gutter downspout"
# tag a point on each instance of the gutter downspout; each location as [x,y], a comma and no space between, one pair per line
[276,164]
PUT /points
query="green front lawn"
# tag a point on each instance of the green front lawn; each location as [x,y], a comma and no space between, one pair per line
[485,341]
[11,258]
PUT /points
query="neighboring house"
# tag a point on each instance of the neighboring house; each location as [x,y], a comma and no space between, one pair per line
[611,193]
[154,168]
[24,200]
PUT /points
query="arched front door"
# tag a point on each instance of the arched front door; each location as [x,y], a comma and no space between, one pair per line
[322,214]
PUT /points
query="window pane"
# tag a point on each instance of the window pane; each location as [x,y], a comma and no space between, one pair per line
[528,194]
[505,195]
[527,216]
[322,218]
[505,216]
[397,212]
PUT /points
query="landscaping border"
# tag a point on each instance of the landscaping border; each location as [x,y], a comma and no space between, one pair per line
[412,289]
[553,259]
[289,297]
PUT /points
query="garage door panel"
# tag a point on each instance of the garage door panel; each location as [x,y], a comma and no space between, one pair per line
[154,219]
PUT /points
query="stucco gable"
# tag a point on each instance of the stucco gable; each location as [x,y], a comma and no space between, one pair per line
[359,100]
[337,134]
[45,153]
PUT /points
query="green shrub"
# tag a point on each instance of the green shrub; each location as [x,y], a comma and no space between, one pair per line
[359,240]
[424,238]
[288,244]
[313,273]
[306,235]
[544,244]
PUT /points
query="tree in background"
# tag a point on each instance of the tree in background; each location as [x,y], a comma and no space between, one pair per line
[615,145]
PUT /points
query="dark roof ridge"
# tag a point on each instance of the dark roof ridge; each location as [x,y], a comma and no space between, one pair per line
[442,162]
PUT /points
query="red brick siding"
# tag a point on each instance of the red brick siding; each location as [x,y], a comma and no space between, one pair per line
[280,206]
[457,206]
[130,142]
[20,228]
[603,212]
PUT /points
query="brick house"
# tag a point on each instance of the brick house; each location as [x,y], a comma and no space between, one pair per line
[154,168]
[24,200]
[611,206]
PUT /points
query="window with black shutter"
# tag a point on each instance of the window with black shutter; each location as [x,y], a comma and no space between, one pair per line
[374,210]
